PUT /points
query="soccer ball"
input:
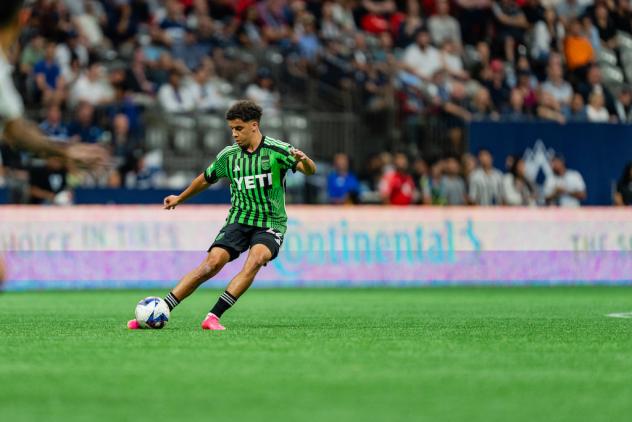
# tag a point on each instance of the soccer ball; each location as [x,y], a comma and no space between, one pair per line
[152,312]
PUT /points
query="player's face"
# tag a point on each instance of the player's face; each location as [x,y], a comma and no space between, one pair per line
[243,132]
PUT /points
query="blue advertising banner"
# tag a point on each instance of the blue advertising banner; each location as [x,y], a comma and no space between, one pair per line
[598,151]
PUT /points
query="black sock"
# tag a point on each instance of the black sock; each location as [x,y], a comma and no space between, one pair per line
[172,301]
[225,301]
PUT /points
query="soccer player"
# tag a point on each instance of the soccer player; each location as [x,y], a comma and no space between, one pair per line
[256,166]
[18,131]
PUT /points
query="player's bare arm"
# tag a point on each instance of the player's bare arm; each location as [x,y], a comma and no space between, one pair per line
[305,164]
[23,134]
[197,185]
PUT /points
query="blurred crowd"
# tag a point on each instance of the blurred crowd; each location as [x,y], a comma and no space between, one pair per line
[89,69]
[394,179]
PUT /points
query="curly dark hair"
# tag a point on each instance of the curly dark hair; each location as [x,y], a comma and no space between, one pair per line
[245,110]
[8,10]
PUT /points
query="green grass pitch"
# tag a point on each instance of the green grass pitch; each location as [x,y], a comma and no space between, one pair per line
[444,354]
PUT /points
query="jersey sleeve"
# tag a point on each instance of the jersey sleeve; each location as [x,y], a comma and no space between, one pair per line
[217,169]
[285,159]
[11,105]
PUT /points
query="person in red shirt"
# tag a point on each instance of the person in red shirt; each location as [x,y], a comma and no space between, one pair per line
[398,187]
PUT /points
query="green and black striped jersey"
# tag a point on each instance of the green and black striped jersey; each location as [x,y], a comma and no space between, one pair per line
[257,182]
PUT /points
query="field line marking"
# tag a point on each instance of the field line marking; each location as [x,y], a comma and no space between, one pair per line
[620,315]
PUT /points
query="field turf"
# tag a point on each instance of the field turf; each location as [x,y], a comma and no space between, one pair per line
[444,354]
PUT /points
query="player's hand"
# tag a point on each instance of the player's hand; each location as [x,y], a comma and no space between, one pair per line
[171,202]
[87,156]
[298,154]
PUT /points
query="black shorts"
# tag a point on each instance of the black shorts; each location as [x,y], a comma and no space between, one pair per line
[237,238]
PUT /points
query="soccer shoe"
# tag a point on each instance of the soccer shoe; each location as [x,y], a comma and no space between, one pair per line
[212,323]
[132,324]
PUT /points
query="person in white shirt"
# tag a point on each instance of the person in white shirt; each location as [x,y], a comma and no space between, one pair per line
[565,187]
[92,87]
[595,109]
[517,188]
[173,97]
[421,58]
[207,92]
[485,183]
[18,131]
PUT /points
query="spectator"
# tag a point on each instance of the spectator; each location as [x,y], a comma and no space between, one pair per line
[623,105]
[569,10]
[88,23]
[397,187]
[591,32]
[342,12]
[53,125]
[485,183]
[512,25]
[408,30]
[564,187]
[92,87]
[517,188]
[48,78]
[207,92]
[577,112]
[482,106]
[125,147]
[595,109]
[172,27]
[122,24]
[452,186]
[422,181]
[307,40]
[33,53]
[188,50]
[548,34]
[549,108]
[526,87]
[451,61]
[47,185]
[124,103]
[83,129]
[497,85]
[136,75]
[434,182]
[263,93]
[623,195]
[577,50]
[516,110]
[421,58]
[275,24]
[65,52]
[557,87]
[375,16]
[605,25]
[173,97]
[474,17]
[622,16]
[249,33]
[342,184]
[444,27]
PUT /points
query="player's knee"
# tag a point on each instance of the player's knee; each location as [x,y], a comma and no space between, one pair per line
[258,261]
[209,268]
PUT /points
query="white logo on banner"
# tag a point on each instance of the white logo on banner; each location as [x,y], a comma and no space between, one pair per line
[536,159]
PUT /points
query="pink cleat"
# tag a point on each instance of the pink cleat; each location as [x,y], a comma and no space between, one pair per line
[212,323]
[132,324]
